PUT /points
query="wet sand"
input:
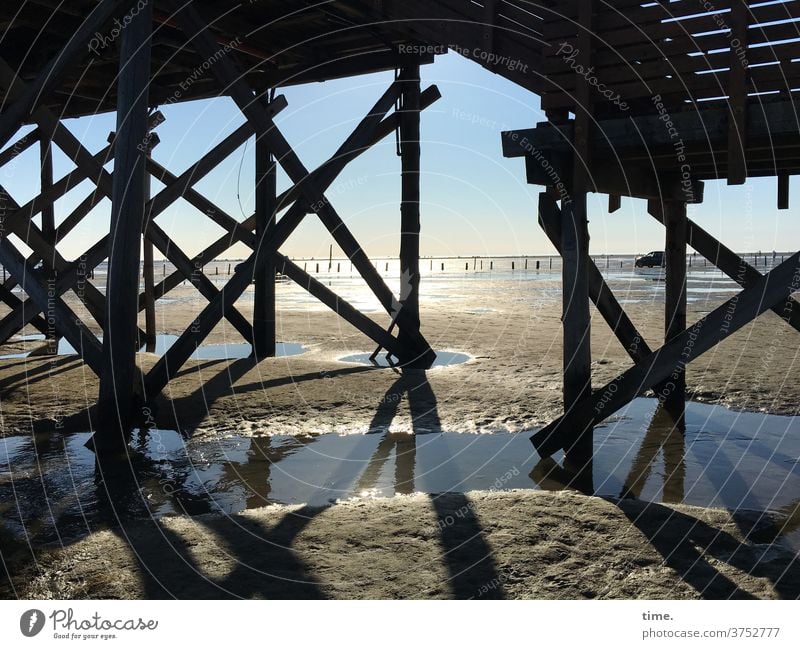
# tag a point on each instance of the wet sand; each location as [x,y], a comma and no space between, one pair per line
[516,544]
[528,544]
[510,329]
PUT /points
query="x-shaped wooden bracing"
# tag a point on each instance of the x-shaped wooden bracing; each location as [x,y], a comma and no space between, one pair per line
[772,290]
[373,128]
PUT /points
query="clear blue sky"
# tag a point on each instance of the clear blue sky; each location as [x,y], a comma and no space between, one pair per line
[473,200]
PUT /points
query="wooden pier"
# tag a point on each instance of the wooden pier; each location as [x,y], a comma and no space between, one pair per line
[643,100]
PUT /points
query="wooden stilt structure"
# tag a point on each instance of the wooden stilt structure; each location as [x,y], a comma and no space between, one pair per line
[631,137]
[264,280]
[410,211]
[118,378]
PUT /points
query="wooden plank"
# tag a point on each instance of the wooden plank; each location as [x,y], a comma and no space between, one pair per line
[59,67]
[703,127]
[771,289]
[48,218]
[613,176]
[635,345]
[119,380]
[410,222]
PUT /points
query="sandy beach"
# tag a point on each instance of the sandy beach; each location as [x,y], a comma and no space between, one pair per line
[519,543]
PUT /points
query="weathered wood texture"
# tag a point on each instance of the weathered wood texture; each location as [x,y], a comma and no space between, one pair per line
[119,380]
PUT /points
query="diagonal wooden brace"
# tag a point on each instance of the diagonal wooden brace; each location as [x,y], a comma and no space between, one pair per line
[364,136]
[733,266]
[63,63]
[232,82]
[770,290]
[66,322]
[599,292]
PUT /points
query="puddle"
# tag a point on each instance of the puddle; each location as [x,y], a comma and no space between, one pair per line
[50,488]
[165,341]
[443,359]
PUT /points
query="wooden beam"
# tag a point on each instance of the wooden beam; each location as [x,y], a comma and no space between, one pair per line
[370,131]
[48,219]
[21,145]
[410,209]
[62,64]
[576,318]
[770,290]
[264,343]
[43,249]
[613,176]
[737,93]
[148,272]
[66,322]
[363,323]
[119,377]
[783,191]
[672,392]
[74,275]
[177,355]
[734,267]
[231,81]
[13,302]
[635,345]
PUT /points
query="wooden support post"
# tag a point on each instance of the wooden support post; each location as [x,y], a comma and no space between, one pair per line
[737,91]
[230,78]
[735,267]
[367,133]
[48,227]
[783,191]
[115,403]
[672,392]
[409,206]
[577,353]
[635,345]
[728,318]
[266,206]
[148,272]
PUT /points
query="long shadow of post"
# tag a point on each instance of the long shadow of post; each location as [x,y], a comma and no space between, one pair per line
[470,564]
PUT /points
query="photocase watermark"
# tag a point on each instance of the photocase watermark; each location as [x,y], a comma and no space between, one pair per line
[102,41]
[569,54]
[67,626]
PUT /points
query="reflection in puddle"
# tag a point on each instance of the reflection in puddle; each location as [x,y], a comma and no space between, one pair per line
[165,341]
[50,488]
[443,358]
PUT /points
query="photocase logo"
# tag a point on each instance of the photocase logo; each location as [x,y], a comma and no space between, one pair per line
[31,622]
